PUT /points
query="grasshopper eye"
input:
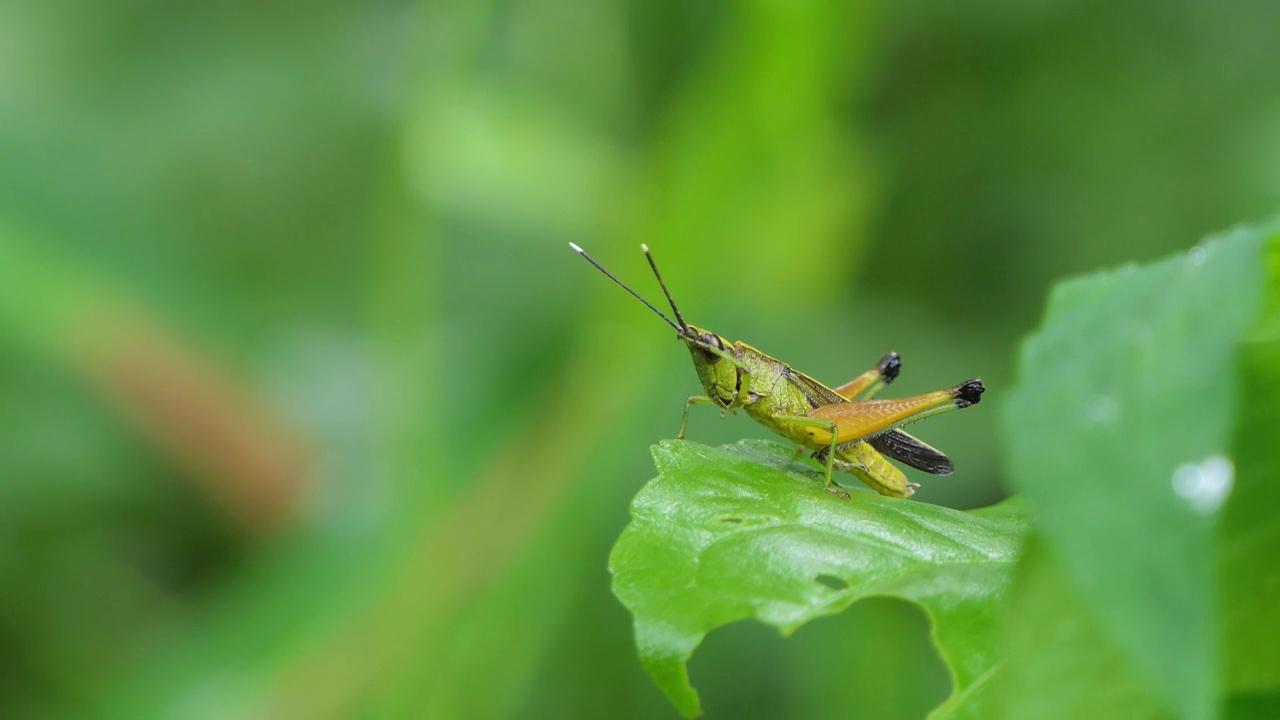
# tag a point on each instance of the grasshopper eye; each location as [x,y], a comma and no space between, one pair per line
[711,340]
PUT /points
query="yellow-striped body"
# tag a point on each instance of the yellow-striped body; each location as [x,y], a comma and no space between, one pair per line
[869,466]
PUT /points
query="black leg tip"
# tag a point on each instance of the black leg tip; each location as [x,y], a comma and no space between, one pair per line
[889,366]
[969,393]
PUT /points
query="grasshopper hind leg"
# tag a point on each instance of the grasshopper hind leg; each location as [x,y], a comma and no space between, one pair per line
[866,385]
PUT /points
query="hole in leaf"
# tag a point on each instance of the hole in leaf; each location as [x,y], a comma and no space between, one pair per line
[832,582]
[731,520]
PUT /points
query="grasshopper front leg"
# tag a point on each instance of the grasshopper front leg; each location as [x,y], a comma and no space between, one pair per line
[742,386]
[689,403]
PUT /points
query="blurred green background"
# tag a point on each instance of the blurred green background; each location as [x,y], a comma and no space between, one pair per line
[307,410]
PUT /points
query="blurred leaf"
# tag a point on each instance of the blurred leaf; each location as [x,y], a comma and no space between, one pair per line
[241,456]
[1253,707]
[1118,431]
[1061,662]
[1249,535]
[743,531]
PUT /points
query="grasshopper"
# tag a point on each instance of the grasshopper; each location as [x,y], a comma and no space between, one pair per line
[844,427]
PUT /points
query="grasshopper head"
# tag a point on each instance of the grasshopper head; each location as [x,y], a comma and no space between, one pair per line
[711,358]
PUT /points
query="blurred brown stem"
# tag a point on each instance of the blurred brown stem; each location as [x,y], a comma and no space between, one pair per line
[238,454]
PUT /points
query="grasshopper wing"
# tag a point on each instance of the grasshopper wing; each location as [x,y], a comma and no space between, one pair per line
[815,392]
[913,451]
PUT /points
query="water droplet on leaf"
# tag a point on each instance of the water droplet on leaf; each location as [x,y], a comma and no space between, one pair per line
[1206,485]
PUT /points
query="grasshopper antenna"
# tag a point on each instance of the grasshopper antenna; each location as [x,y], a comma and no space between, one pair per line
[623,285]
[658,275]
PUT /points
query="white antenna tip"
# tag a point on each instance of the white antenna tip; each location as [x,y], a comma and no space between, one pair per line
[645,248]
[575,248]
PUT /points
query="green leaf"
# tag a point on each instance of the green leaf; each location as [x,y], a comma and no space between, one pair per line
[1119,432]
[1249,533]
[1062,664]
[744,531]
